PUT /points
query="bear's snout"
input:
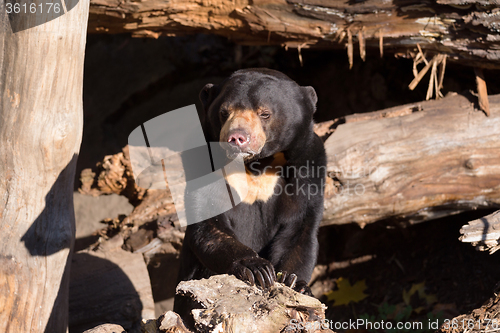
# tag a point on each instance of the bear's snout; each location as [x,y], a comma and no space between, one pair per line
[243,133]
[239,139]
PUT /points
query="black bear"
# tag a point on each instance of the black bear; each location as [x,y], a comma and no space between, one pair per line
[266,118]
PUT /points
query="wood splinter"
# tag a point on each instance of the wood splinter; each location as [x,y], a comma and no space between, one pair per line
[362,48]
[381,43]
[482,91]
[435,83]
[350,51]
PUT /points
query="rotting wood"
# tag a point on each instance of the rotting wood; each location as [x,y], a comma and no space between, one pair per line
[226,304]
[467,34]
[114,175]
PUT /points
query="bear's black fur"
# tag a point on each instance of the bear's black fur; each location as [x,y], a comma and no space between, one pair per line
[268,119]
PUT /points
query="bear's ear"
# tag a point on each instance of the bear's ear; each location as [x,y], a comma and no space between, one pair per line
[208,94]
[311,96]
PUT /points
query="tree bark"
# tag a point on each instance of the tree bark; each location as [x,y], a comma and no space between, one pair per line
[467,31]
[41,121]
[414,162]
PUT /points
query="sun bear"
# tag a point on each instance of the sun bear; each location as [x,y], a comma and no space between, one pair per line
[266,118]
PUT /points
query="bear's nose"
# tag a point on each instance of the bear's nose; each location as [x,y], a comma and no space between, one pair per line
[238,139]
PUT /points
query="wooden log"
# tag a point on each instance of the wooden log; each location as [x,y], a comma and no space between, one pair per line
[413,162]
[438,161]
[41,121]
[483,233]
[466,31]
[226,304]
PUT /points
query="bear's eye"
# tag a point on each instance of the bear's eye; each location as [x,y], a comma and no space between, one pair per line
[224,113]
[265,114]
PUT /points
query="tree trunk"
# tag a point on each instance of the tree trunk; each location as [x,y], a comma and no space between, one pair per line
[414,162]
[467,31]
[41,121]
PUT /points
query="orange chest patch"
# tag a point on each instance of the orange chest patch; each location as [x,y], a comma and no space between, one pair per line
[258,186]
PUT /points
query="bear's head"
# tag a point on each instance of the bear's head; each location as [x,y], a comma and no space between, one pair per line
[258,112]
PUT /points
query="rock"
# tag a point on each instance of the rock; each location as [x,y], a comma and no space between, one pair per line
[106,328]
[170,322]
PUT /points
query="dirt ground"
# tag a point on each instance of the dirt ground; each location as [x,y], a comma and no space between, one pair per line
[418,273]
[456,276]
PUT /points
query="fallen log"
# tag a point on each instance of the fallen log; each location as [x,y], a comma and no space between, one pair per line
[438,159]
[467,31]
[413,162]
